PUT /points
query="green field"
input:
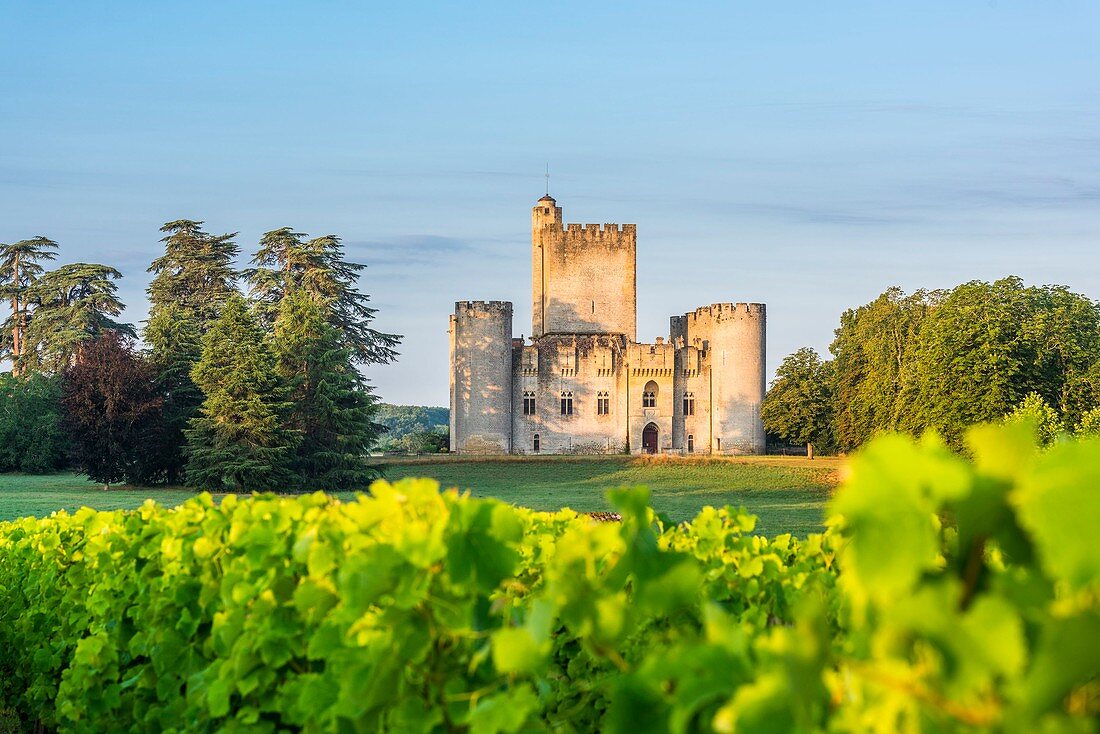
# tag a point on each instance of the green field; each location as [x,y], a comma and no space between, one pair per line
[786,493]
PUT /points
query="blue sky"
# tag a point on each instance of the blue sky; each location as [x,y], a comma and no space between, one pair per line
[803,154]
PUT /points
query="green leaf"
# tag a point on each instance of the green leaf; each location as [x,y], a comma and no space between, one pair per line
[1059,503]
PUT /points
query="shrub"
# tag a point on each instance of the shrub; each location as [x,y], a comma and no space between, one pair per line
[947,595]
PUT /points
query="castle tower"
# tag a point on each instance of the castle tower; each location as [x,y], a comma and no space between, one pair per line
[583,276]
[481,377]
[545,220]
[731,337]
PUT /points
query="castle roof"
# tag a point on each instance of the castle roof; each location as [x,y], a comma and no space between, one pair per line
[549,198]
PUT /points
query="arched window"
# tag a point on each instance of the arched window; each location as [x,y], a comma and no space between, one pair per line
[603,403]
[691,444]
[689,403]
[567,402]
[535,444]
[649,395]
[528,403]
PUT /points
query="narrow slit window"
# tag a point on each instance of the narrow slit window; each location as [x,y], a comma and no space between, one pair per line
[536,444]
[691,444]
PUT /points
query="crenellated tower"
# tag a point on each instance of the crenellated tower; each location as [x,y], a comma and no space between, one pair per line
[730,339]
[584,277]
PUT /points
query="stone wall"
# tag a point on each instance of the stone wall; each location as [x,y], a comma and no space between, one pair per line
[583,276]
[731,339]
[481,377]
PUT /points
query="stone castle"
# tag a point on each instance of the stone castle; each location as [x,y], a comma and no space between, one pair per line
[583,383]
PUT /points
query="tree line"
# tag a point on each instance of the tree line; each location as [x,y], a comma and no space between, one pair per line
[248,379]
[943,360]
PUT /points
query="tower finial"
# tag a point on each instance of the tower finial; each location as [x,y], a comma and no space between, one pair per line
[547,178]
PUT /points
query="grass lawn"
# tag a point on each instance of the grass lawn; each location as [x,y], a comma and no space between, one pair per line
[786,493]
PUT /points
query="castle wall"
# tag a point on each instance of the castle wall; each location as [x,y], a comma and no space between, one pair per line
[582,367]
[583,276]
[692,379]
[651,364]
[481,377]
[731,339]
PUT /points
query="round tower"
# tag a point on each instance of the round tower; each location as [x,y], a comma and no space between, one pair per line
[737,342]
[481,377]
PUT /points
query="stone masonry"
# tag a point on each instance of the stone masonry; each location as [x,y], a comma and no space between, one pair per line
[582,383]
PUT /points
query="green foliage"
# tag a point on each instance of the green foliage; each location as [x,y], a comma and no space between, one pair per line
[1089,424]
[330,404]
[1043,419]
[948,596]
[240,438]
[287,262]
[20,267]
[190,284]
[71,305]
[799,404]
[32,439]
[402,421]
[946,360]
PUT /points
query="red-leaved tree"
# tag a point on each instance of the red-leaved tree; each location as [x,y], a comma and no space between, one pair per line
[109,404]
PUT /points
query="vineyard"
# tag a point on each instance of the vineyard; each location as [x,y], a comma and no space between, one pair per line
[947,594]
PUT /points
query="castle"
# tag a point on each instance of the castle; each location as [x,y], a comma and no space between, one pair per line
[583,384]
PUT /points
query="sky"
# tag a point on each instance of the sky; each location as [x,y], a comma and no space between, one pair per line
[807,155]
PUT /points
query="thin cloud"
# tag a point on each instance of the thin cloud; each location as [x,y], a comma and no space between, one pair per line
[407,249]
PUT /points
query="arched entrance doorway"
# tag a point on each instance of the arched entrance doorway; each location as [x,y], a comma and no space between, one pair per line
[649,439]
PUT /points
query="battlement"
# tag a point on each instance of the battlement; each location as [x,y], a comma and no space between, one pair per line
[501,307]
[724,310]
[606,235]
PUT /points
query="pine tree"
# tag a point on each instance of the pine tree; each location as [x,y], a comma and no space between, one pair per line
[239,440]
[109,402]
[191,282]
[68,307]
[20,267]
[332,407]
[286,262]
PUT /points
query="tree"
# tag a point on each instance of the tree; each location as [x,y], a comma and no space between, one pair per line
[109,403]
[20,267]
[401,421]
[798,406]
[32,437]
[1089,425]
[1038,413]
[239,439]
[331,405]
[71,305]
[987,346]
[191,283]
[874,364]
[286,262]
[195,274]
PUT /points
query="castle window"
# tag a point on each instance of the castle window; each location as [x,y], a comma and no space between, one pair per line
[691,444]
[603,403]
[649,395]
[528,403]
[567,402]
[689,403]
[535,445]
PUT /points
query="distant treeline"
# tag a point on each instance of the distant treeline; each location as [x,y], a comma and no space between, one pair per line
[249,379]
[943,360]
[413,428]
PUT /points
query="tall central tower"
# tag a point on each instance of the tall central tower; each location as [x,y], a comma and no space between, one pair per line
[583,277]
